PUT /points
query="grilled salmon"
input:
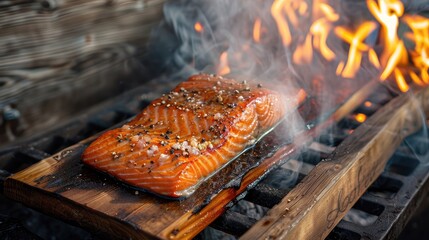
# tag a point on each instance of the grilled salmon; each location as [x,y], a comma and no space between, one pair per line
[185,136]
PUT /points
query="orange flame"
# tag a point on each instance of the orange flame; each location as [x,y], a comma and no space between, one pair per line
[340,68]
[198,27]
[420,55]
[320,29]
[425,75]
[416,79]
[303,52]
[282,10]
[373,58]
[387,13]
[360,117]
[223,68]
[356,46]
[257,30]
[395,58]
[391,60]
[400,80]
[282,24]
[317,37]
[292,8]
[301,96]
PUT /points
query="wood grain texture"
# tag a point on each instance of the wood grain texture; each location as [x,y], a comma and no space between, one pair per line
[320,201]
[69,53]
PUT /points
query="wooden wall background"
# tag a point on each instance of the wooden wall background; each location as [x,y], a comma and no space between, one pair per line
[58,57]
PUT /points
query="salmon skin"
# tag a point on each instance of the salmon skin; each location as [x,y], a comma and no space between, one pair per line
[187,135]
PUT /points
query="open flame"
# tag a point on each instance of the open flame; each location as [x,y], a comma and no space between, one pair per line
[223,68]
[357,46]
[257,30]
[387,54]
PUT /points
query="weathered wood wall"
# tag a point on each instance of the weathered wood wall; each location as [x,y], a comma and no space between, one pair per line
[58,57]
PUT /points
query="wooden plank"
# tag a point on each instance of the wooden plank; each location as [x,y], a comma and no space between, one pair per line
[320,201]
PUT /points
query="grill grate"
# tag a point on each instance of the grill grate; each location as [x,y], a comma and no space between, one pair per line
[388,203]
[385,208]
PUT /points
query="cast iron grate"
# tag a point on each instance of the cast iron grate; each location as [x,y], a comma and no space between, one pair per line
[384,209]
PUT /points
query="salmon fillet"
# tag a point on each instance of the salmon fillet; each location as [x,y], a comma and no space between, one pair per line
[186,135]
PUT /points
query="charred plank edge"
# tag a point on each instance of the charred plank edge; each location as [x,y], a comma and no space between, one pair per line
[313,208]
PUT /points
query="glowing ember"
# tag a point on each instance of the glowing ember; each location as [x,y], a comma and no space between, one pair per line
[360,117]
[198,27]
[223,68]
[367,104]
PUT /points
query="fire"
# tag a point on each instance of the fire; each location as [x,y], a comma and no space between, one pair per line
[282,24]
[304,52]
[317,37]
[420,55]
[420,36]
[377,41]
[416,79]
[257,30]
[340,68]
[387,13]
[223,68]
[356,46]
[198,27]
[287,13]
[373,58]
[394,60]
[360,117]
[400,80]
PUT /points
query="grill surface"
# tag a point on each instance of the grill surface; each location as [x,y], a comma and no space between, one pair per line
[385,207]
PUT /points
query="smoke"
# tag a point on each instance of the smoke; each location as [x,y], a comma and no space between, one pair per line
[177,50]
[180,51]
[180,48]
[196,34]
